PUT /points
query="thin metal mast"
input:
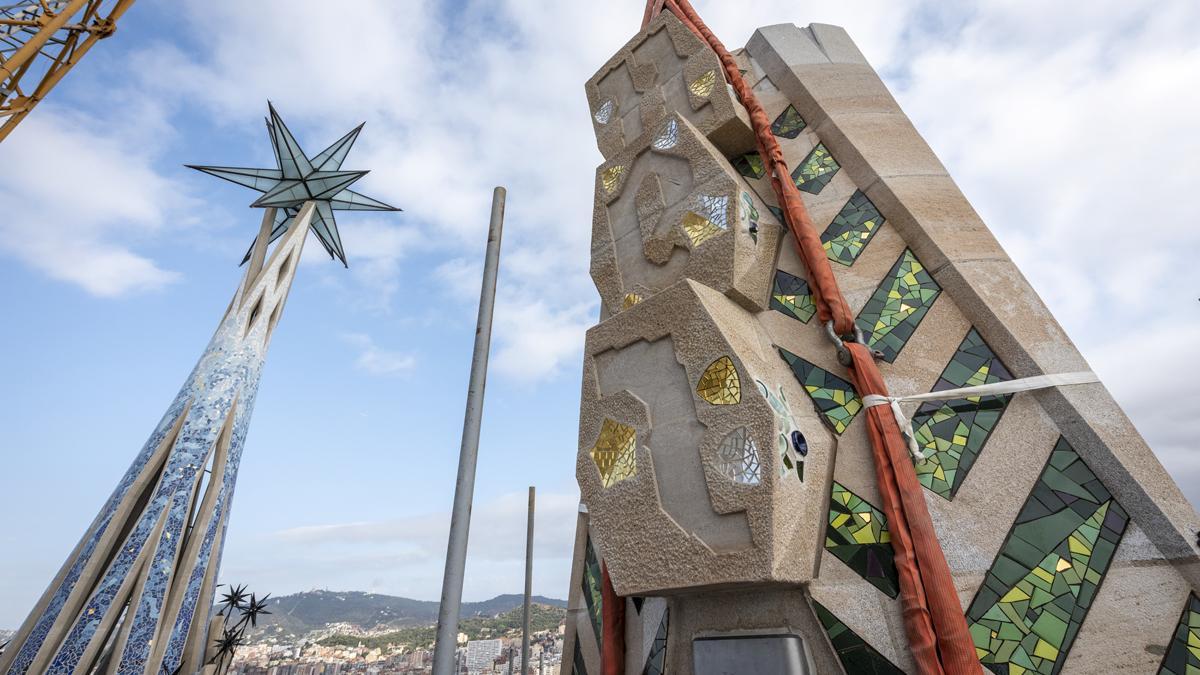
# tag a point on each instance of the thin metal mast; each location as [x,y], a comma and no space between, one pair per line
[464,489]
[528,584]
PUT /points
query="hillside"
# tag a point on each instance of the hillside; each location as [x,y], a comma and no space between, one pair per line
[507,624]
[297,615]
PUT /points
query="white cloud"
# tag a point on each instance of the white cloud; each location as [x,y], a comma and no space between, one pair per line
[78,195]
[375,360]
[1077,146]
[405,556]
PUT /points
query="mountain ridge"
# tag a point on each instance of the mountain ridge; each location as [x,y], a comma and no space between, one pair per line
[298,614]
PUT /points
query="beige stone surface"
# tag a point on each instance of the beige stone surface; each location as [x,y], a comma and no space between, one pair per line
[679,522]
[670,207]
[665,69]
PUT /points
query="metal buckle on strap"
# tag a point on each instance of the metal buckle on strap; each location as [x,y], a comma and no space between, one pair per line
[839,341]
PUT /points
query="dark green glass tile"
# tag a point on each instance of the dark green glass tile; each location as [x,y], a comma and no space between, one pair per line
[815,172]
[750,165]
[858,535]
[592,593]
[953,433]
[1048,571]
[789,124]
[1183,652]
[832,395]
[898,305]
[858,657]
[851,229]
[790,295]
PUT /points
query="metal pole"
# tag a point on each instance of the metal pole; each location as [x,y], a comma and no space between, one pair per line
[468,454]
[528,585]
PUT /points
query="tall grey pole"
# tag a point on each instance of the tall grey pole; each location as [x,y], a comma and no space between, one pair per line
[464,489]
[528,585]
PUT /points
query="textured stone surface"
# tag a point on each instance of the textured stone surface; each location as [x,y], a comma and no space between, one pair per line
[641,368]
[670,207]
[665,69]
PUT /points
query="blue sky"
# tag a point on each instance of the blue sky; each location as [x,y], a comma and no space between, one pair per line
[1070,126]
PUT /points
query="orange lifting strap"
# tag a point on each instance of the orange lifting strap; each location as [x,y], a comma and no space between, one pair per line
[933,618]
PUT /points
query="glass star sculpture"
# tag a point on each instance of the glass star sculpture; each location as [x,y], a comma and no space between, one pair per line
[300,179]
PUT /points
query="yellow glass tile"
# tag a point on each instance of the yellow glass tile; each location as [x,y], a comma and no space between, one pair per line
[864,536]
[1063,565]
[615,452]
[1015,595]
[703,85]
[631,299]
[612,176]
[698,228]
[720,385]
[1045,650]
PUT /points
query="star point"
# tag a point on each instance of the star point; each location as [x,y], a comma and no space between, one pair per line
[299,179]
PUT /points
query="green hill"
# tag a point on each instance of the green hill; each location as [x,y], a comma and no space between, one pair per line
[298,614]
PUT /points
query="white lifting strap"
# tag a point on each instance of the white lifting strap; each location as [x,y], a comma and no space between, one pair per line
[994,389]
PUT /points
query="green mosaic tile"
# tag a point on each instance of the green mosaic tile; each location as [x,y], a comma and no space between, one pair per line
[851,230]
[815,172]
[833,396]
[750,165]
[1183,654]
[789,124]
[778,213]
[898,305]
[592,593]
[790,294]
[952,433]
[1038,591]
[856,654]
[858,535]
[656,662]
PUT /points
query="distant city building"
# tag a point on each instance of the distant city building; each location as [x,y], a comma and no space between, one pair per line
[482,655]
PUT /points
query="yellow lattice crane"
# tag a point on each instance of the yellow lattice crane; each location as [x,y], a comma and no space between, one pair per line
[40,41]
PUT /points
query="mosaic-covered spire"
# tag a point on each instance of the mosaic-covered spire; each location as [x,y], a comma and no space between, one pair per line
[136,593]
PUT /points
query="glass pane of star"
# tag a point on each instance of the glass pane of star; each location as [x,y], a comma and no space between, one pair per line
[299,179]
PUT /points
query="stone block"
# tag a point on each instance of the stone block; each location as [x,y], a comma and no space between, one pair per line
[671,208]
[665,69]
[686,436]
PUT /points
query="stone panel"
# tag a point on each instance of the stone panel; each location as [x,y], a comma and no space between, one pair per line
[686,370]
[665,69]
[671,208]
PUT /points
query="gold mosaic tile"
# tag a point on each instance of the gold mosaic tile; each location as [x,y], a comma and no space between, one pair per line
[698,228]
[703,85]
[611,177]
[720,385]
[615,452]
